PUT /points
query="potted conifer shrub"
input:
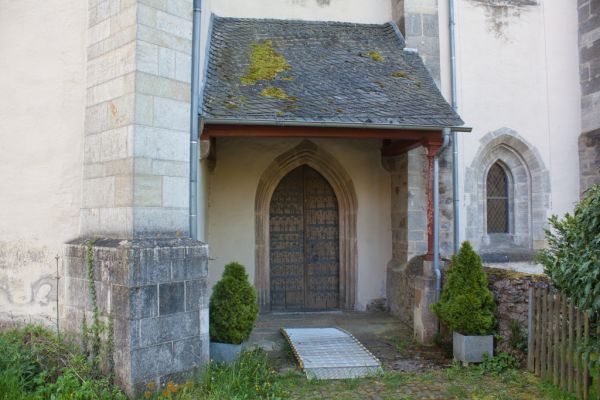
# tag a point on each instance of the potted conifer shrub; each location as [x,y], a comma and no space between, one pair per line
[233,310]
[467,307]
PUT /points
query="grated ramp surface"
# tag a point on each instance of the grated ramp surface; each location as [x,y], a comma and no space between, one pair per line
[330,353]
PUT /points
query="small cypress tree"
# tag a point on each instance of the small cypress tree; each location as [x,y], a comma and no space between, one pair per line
[233,307]
[466,304]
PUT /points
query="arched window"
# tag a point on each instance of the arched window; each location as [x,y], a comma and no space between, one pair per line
[497,200]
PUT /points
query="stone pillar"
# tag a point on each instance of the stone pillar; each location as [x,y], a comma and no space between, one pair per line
[425,324]
[136,145]
[589,60]
[150,278]
[155,290]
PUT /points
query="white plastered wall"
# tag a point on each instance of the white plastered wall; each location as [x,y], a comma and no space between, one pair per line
[517,68]
[42,81]
[232,191]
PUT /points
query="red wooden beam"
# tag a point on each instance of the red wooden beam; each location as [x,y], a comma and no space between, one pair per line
[317,132]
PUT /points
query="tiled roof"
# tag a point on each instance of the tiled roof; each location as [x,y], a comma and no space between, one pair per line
[337,73]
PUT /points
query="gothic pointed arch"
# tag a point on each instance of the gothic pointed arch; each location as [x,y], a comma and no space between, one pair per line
[308,153]
[527,196]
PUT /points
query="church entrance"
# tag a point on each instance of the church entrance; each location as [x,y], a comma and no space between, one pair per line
[304,243]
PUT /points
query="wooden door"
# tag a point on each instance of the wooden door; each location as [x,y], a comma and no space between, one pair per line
[304,243]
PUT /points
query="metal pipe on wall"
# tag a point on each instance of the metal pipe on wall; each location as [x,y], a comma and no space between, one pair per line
[455,197]
[436,214]
[193,199]
[436,170]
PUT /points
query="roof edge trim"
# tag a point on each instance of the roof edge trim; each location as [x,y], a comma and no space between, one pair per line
[358,125]
[205,63]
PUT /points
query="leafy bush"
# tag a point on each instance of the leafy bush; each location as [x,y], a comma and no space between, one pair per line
[498,364]
[233,307]
[518,337]
[466,304]
[572,258]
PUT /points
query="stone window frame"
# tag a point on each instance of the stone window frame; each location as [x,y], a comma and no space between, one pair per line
[308,153]
[531,191]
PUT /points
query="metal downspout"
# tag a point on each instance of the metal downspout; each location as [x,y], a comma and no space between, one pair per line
[193,212]
[455,197]
[436,214]
[436,170]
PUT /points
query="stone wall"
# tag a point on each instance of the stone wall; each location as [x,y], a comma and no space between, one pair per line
[510,290]
[589,159]
[156,292]
[589,68]
[511,293]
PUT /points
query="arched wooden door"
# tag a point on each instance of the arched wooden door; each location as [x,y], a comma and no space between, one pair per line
[304,243]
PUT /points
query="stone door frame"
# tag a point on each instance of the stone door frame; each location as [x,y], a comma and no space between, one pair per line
[308,153]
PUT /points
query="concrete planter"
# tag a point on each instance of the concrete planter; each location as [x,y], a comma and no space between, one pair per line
[470,349]
[224,352]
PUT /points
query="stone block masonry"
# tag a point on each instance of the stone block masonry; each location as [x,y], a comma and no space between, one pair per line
[156,292]
[136,145]
[589,159]
[589,71]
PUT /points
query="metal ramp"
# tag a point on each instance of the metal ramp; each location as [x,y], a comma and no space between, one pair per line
[330,353]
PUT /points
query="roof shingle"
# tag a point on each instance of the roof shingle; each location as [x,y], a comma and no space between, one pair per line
[339,73]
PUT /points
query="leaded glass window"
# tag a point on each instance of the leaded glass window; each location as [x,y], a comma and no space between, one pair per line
[497,200]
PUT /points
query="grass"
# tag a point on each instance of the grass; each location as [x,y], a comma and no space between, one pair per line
[35,365]
[250,377]
[451,383]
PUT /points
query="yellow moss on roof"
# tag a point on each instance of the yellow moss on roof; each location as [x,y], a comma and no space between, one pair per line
[400,74]
[276,93]
[265,63]
[375,56]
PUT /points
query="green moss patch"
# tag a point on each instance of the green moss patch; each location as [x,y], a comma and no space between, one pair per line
[233,102]
[265,64]
[276,93]
[500,273]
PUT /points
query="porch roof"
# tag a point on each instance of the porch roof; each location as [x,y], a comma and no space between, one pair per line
[302,73]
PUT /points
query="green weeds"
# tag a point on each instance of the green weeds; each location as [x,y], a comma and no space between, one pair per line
[35,365]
